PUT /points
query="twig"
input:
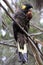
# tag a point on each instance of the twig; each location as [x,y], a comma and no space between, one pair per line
[7,41]
[8,45]
[36,27]
[38,42]
[36,34]
[7,3]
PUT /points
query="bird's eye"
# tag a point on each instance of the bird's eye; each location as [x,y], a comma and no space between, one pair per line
[23,7]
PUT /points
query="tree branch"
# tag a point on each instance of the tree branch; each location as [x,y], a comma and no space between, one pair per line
[38,42]
[36,27]
[7,3]
[36,34]
[2,43]
[7,41]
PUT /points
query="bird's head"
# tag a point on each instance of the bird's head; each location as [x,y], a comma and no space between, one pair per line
[27,9]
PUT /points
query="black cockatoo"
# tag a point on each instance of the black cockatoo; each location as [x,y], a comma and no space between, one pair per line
[22,16]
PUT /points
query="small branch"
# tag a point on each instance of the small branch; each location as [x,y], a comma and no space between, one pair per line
[36,27]
[7,3]
[8,45]
[36,34]
[38,42]
[7,41]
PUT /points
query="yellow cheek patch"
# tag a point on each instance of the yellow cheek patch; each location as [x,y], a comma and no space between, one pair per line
[23,7]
